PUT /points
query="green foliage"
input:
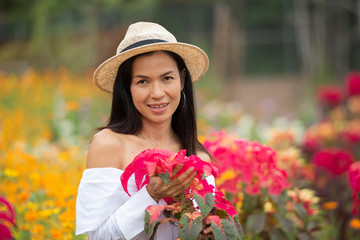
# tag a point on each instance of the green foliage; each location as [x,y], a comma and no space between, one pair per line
[205,204]
[190,227]
[256,223]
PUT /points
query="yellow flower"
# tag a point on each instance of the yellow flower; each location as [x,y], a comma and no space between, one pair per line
[201,139]
[268,207]
[45,213]
[12,173]
[225,176]
[355,223]
[329,205]
[307,195]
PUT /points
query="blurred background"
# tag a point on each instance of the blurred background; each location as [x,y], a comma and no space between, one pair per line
[283,74]
[265,56]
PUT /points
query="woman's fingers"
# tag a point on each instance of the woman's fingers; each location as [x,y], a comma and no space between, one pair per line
[177,169]
[183,182]
[176,186]
[207,230]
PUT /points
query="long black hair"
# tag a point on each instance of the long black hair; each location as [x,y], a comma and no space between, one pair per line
[125,118]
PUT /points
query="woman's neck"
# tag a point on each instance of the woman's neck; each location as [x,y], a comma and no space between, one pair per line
[159,135]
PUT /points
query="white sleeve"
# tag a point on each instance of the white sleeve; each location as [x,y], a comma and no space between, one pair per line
[124,223]
[105,211]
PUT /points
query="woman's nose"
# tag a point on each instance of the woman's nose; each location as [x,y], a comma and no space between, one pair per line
[157,90]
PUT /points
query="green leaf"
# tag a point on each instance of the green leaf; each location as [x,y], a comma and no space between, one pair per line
[301,211]
[227,231]
[191,226]
[256,223]
[303,236]
[237,224]
[150,226]
[164,177]
[287,225]
[250,203]
[277,234]
[205,203]
[152,215]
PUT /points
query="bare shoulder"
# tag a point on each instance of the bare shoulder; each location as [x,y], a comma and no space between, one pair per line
[203,156]
[106,150]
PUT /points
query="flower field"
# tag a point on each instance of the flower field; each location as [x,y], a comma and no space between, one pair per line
[288,186]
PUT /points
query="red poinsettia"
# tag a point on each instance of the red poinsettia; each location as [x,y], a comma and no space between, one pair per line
[162,162]
[253,164]
[209,203]
[354,179]
[353,83]
[335,161]
[6,217]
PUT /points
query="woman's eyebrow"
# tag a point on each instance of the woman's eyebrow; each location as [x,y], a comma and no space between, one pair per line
[162,75]
[168,72]
[140,76]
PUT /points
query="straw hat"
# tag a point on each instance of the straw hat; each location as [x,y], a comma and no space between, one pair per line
[144,37]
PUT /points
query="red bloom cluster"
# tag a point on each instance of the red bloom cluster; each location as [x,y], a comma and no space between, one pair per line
[353,83]
[330,95]
[335,161]
[211,204]
[354,179]
[254,165]
[7,217]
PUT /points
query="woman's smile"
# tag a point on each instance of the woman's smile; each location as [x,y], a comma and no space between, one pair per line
[158,107]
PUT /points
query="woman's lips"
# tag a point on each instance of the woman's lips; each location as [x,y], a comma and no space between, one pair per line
[158,107]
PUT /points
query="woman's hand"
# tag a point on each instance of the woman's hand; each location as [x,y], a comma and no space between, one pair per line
[177,185]
[207,226]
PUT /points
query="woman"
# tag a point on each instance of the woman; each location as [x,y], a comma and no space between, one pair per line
[150,78]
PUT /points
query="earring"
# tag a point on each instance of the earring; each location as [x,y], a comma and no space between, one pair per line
[184,99]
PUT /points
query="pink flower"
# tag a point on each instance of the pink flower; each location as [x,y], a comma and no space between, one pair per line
[329,95]
[162,163]
[222,203]
[353,83]
[254,165]
[354,179]
[7,218]
[335,161]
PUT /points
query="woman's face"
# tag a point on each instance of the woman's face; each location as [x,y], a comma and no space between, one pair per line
[155,86]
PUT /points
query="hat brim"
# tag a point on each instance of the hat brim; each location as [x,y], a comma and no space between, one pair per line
[195,60]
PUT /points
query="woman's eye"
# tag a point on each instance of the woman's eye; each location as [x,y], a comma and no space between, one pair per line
[142,82]
[168,78]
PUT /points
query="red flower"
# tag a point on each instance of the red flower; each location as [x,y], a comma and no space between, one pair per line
[253,164]
[354,179]
[335,161]
[6,217]
[222,203]
[329,95]
[353,83]
[162,163]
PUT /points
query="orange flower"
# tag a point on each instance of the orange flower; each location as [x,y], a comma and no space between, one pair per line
[23,196]
[355,223]
[56,233]
[329,205]
[38,231]
[72,106]
[31,215]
